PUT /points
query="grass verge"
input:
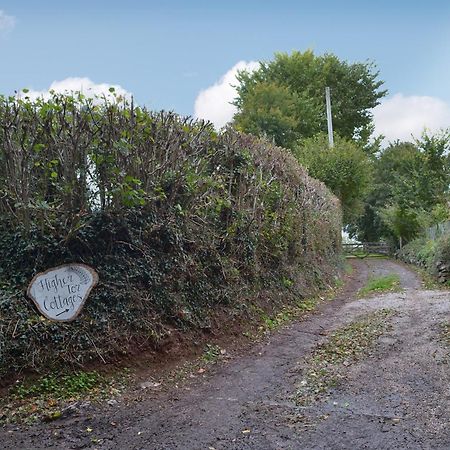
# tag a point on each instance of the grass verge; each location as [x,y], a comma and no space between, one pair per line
[429,281]
[323,369]
[387,283]
[361,255]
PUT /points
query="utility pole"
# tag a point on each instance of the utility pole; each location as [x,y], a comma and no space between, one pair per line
[329,118]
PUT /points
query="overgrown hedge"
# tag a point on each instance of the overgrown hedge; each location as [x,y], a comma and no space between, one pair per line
[432,255]
[178,220]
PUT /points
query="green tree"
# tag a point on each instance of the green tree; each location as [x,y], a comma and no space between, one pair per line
[277,112]
[304,76]
[434,168]
[411,189]
[346,169]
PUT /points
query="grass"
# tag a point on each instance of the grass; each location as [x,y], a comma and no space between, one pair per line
[348,268]
[297,311]
[323,369]
[362,255]
[387,283]
[301,308]
[45,397]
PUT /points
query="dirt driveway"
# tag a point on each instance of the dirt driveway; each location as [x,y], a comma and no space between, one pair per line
[396,397]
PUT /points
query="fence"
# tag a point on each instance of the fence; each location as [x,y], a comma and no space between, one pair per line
[436,231]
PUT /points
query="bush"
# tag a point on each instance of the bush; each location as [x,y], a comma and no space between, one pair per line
[432,255]
[178,221]
[345,168]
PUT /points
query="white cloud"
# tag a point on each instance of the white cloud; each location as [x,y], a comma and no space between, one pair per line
[213,103]
[83,84]
[404,117]
[7,23]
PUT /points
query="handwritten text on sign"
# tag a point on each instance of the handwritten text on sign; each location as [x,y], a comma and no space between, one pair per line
[60,293]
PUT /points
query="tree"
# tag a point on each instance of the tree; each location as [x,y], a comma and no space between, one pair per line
[277,112]
[299,81]
[434,168]
[346,169]
[411,189]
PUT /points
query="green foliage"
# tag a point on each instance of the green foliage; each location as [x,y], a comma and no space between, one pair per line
[46,397]
[429,254]
[403,222]
[345,169]
[176,219]
[381,284]
[411,190]
[59,386]
[420,251]
[212,353]
[276,112]
[289,92]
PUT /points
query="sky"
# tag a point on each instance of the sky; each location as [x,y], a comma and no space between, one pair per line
[183,55]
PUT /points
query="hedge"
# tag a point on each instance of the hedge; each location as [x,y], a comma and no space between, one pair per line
[178,220]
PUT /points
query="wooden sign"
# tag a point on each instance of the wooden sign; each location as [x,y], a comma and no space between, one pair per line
[60,293]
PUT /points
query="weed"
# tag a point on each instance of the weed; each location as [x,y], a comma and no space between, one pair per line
[308,304]
[45,397]
[211,353]
[60,387]
[287,282]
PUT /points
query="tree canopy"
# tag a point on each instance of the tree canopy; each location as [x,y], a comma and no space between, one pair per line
[411,189]
[345,169]
[284,98]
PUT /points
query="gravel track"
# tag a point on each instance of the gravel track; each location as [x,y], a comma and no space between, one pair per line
[396,398]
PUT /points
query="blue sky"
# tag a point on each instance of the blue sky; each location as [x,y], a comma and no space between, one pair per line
[167,52]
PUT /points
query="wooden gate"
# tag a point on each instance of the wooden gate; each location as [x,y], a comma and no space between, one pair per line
[367,248]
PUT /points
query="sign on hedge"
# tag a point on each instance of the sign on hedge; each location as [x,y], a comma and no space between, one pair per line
[59,293]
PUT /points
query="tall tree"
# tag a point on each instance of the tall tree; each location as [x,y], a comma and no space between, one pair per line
[346,169]
[299,79]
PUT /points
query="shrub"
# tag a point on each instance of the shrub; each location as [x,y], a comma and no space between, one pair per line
[432,255]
